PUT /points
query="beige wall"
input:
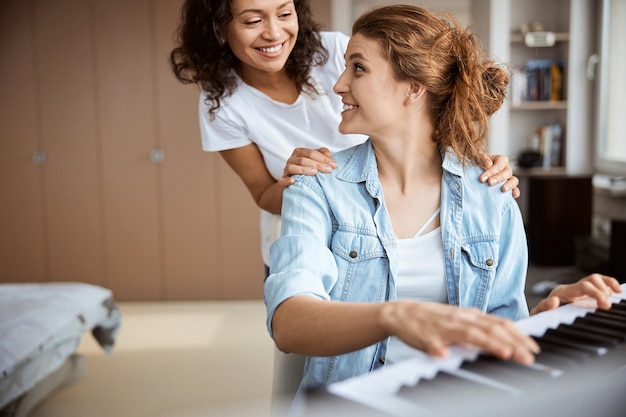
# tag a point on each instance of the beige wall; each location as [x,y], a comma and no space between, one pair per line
[87,84]
[321,11]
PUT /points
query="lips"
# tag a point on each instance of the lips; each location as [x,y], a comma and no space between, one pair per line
[347,107]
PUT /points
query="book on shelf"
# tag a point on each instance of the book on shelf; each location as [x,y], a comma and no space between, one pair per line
[550,144]
[537,80]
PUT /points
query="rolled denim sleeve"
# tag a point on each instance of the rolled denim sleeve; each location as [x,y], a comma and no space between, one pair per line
[301,260]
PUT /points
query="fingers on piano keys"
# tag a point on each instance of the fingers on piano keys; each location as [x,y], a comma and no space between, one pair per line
[564,350]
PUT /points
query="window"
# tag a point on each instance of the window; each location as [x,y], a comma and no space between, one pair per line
[611,119]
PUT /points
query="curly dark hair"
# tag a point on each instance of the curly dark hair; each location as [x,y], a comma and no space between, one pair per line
[202,58]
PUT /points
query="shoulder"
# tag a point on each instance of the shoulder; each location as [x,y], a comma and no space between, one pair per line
[226,128]
[334,39]
[475,192]
[350,163]
[238,95]
[357,151]
[336,44]
[326,74]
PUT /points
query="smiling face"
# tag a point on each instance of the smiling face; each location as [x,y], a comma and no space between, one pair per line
[374,100]
[262,34]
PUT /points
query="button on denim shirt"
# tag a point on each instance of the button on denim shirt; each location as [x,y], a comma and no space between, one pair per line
[337,243]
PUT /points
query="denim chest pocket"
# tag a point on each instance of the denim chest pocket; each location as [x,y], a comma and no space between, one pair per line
[478,271]
[362,267]
[482,254]
[354,247]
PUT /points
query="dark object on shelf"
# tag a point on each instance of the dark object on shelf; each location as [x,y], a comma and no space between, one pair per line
[559,210]
[529,159]
[593,254]
[617,264]
[604,255]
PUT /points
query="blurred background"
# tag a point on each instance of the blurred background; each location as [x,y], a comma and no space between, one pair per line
[103,179]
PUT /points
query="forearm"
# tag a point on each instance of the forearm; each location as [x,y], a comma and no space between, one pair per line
[271,199]
[314,327]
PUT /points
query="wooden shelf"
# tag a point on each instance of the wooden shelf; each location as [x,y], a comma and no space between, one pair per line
[552,172]
[540,105]
[559,37]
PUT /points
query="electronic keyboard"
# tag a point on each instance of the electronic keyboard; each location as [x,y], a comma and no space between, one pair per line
[580,371]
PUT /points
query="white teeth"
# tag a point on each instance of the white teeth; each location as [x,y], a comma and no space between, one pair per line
[272,49]
[349,107]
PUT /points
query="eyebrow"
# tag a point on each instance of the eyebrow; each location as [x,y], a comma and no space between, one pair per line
[356,55]
[285,4]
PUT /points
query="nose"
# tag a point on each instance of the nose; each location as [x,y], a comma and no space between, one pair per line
[341,86]
[272,29]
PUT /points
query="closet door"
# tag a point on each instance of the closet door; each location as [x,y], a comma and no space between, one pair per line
[192,262]
[64,47]
[130,144]
[212,240]
[22,237]
[240,247]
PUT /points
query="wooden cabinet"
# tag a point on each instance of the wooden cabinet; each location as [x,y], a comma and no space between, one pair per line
[559,211]
[23,249]
[103,179]
[65,77]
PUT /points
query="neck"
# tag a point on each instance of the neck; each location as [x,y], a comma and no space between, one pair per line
[403,164]
[277,85]
[411,182]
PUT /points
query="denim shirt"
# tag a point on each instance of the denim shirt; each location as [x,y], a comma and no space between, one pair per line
[338,244]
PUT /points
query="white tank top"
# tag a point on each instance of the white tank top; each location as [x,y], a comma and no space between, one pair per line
[420,276]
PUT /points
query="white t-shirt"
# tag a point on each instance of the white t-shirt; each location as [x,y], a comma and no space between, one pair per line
[421,277]
[249,116]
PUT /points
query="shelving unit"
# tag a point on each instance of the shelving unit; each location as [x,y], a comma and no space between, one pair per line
[555,202]
[528,115]
[573,24]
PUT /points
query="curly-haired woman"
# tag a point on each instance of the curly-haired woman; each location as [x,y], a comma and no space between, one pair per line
[266,71]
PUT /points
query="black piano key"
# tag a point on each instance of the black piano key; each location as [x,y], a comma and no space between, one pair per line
[602,322]
[590,334]
[559,348]
[615,312]
[619,336]
[561,339]
[609,314]
[586,338]
[618,306]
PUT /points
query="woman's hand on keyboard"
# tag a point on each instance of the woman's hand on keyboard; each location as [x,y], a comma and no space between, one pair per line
[596,286]
[434,327]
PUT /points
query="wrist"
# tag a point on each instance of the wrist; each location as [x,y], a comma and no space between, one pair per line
[391,316]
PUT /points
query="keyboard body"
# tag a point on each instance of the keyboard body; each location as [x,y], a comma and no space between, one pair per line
[581,371]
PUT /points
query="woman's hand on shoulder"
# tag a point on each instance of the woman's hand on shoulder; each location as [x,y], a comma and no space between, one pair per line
[305,161]
[497,169]
[596,286]
[434,327]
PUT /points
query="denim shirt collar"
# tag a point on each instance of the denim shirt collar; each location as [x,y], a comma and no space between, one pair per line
[361,166]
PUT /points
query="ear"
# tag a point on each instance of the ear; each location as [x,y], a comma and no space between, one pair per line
[415,93]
